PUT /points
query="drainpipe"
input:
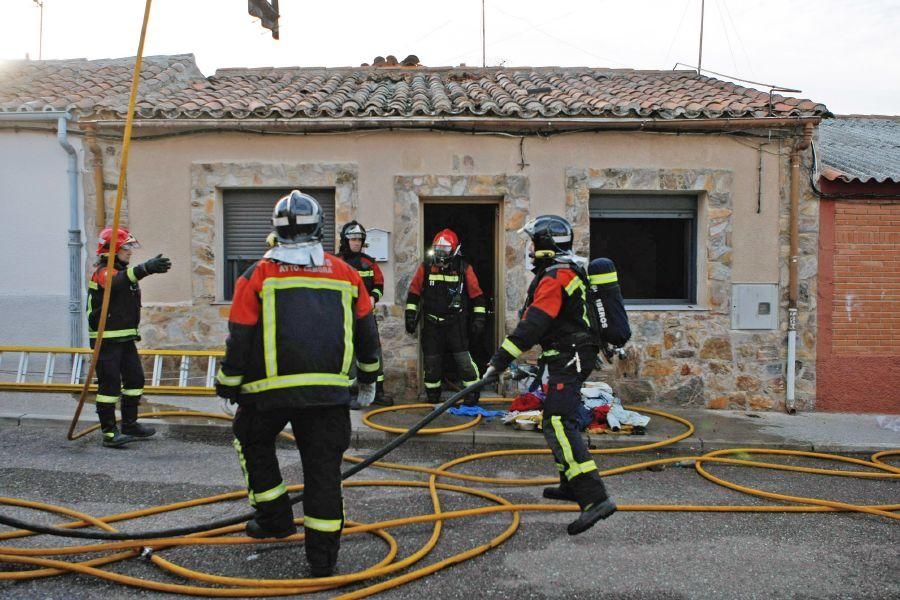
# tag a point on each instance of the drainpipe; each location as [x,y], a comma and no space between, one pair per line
[793,266]
[76,329]
[99,195]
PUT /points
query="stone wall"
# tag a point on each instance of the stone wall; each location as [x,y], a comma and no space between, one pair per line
[693,357]
[203,322]
[400,349]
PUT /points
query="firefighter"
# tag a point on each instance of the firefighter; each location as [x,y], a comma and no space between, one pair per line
[297,318]
[353,240]
[119,370]
[442,292]
[556,317]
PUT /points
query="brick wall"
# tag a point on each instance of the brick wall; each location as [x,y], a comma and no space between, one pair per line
[858,347]
[866,295]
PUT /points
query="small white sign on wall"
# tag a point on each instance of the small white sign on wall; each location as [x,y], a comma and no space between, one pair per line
[377,244]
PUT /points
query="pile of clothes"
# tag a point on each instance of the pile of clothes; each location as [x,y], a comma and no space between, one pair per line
[600,411]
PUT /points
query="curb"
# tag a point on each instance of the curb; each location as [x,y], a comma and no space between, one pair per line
[471,438]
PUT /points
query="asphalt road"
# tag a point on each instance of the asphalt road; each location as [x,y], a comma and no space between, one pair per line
[632,555]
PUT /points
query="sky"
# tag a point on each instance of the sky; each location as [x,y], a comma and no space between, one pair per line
[843,53]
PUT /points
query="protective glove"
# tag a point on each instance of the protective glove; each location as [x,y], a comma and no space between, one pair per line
[158,264]
[477,328]
[490,373]
[410,322]
[366,394]
[228,392]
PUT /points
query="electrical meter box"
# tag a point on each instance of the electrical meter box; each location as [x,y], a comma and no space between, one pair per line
[754,306]
[377,244]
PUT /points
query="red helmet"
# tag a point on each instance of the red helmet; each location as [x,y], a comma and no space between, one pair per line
[124,240]
[445,245]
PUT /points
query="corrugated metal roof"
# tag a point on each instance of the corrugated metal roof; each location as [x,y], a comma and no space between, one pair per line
[860,149]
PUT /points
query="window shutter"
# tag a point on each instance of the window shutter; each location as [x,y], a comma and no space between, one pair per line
[247,221]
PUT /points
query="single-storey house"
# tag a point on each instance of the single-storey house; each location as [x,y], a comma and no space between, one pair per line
[697,188]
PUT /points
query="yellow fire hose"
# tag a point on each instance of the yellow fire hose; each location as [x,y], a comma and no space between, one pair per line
[388,566]
[397,571]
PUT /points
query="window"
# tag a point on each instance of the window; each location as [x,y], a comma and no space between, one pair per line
[247,220]
[653,241]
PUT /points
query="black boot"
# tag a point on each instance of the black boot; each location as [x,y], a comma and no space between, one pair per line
[130,426]
[255,530]
[590,514]
[274,520]
[472,399]
[106,412]
[433,397]
[562,492]
[380,398]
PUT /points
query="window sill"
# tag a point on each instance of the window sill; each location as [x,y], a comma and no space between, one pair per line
[220,303]
[665,307]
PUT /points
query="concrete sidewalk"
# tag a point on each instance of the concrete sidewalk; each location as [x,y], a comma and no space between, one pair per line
[715,429]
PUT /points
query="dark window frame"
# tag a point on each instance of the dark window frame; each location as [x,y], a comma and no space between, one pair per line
[235,261]
[659,207]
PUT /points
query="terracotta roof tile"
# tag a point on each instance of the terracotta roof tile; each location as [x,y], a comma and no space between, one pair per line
[173,87]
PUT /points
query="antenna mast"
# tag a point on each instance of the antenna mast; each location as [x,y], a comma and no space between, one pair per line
[700,57]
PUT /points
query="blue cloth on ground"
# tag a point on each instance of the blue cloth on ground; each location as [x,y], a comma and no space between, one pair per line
[472,411]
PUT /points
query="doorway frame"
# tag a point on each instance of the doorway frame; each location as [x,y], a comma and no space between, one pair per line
[511,192]
[499,262]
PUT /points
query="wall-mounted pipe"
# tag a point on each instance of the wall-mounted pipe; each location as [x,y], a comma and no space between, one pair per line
[793,267]
[463,124]
[76,328]
[99,194]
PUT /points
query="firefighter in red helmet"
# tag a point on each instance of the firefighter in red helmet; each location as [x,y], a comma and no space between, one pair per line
[119,370]
[444,293]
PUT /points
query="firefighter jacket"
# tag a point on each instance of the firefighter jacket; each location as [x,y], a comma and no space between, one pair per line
[443,293]
[555,316]
[124,313]
[294,332]
[368,270]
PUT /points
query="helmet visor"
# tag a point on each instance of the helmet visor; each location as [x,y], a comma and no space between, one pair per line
[442,251]
[355,236]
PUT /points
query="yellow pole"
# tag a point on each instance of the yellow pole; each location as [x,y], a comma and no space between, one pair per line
[126,144]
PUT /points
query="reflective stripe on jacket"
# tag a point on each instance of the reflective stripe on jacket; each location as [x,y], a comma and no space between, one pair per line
[124,313]
[293,332]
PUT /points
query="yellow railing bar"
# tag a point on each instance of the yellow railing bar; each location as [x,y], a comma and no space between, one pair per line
[142,352]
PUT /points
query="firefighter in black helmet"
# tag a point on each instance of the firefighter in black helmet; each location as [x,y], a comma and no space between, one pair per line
[298,318]
[556,317]
[353,240]
[119,369]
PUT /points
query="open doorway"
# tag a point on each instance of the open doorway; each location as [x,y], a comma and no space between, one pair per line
[476,224]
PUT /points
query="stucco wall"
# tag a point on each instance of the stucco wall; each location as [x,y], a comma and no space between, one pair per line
[34,196]
[746,189]
[159,179]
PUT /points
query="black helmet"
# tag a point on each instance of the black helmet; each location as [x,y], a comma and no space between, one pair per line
[550,234]
[353,229]
[297,219]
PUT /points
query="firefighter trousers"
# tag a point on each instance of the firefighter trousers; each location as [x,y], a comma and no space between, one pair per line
[577,469]
[322,435]
[119,373]
[446,337]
